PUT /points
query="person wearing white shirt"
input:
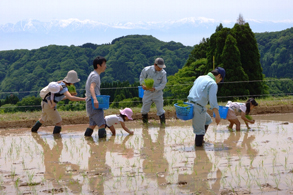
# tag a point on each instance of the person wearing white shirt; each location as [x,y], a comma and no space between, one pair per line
[242,109]
[114,119]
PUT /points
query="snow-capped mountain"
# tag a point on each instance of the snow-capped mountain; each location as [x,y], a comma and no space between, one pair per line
[32,34]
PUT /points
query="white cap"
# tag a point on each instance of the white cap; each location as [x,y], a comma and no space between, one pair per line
[54,87]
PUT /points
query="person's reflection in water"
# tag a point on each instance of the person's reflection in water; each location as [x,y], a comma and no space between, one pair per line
[232,141]
[155,165]
[246,146]
[237,149]
[56,171]
[198,182]
[98,170]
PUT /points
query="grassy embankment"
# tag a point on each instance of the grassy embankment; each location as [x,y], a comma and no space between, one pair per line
[268,101]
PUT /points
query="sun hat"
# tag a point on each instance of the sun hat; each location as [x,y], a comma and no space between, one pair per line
[127,112]
[222,72]
[54,87]
[160,62]
[71,77]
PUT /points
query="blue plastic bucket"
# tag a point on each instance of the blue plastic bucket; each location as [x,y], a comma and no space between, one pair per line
[103,102]
[223,111]
[184,113]
[140,91]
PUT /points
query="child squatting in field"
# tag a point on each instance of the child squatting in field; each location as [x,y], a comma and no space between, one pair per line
[124,115]
[236,108]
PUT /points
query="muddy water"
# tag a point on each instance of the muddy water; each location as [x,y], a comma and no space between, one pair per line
[155,160]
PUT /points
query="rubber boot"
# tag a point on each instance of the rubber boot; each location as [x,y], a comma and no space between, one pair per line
[57,130]
[206,128]
[198,140]
[36,127]
[162,119]
[88,132]
[145,118]
[102,133]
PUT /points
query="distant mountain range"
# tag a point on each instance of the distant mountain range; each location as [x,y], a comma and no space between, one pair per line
[33,34]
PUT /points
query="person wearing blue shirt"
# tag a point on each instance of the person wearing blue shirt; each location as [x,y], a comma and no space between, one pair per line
[204,91]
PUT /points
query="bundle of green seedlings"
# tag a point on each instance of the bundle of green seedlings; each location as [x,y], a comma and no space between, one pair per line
[181,104]
[71,89]
[248,117]
[149,83]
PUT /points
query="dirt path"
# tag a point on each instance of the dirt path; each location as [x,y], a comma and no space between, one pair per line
[137,116]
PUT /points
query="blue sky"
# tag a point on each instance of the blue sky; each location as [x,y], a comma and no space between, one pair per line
[30,24]
[112,11]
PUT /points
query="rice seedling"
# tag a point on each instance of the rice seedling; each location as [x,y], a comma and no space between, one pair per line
[149,83]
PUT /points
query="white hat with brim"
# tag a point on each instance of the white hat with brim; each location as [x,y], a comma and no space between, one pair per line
[71,77]
[54,87]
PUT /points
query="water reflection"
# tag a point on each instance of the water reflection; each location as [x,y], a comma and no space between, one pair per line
[247,148]
[155,165]
[98,170]
[241,149]
[60,173]
[152,161]
[198,181]
[97,167]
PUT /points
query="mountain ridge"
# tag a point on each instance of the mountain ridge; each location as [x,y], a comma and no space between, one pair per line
[33,34]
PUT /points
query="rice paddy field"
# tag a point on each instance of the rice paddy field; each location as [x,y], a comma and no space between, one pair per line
[155,160]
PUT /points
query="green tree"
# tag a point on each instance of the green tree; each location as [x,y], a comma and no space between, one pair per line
[215,48]
[178,85]
[30,103]
[232,64]
[250,58]
[11,99]
[219,27]
[199,51]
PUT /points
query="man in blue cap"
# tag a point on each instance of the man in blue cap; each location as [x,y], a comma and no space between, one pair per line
[205,90]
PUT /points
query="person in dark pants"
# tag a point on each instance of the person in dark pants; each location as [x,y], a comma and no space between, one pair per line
[92,87]
[205,90]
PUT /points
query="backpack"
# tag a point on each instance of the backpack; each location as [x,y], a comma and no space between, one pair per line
[44,92]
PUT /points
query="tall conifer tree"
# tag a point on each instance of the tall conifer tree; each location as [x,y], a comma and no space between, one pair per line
[250,57]
[232,63]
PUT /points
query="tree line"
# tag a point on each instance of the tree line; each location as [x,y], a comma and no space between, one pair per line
[242,53]
[31,70]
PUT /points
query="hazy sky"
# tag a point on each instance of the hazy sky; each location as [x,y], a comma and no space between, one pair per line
[112,11]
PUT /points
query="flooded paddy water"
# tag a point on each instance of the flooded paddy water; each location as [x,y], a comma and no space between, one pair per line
[155,160]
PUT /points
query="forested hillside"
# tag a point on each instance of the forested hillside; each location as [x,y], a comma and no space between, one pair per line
[234,49]
[276,53]
[30,70]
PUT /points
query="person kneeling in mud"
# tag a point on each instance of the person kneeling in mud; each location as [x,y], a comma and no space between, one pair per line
[242,109]
[124,115]
[57,91]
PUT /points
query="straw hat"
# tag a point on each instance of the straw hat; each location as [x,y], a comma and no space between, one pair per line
[71,77]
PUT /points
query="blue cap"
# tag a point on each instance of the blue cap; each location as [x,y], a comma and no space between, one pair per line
[222,72]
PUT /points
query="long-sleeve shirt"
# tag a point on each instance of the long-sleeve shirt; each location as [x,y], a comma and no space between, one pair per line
[160,78]
[204,90]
